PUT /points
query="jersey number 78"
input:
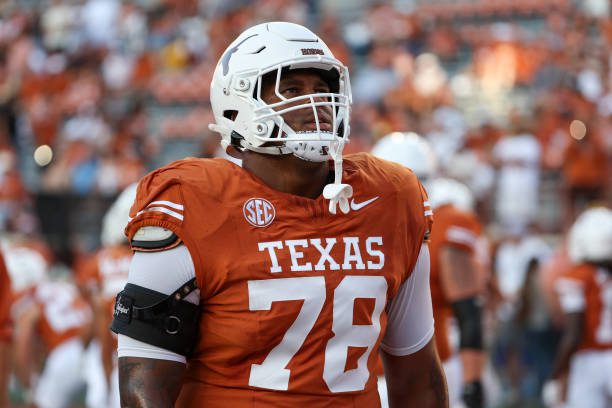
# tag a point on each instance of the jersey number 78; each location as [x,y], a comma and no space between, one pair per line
[272,374]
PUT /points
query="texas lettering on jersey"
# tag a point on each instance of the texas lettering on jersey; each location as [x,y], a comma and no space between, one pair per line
[293,298]
[352,252]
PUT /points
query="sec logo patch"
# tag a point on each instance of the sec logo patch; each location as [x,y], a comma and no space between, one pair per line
[258,212]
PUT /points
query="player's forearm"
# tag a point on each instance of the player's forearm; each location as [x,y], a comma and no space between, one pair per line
[107,356]
[566,349]
[4,372]
[415,380]
[428,392]
[572,335]
[149,383]
[23,355]
[472,362]
[103,334]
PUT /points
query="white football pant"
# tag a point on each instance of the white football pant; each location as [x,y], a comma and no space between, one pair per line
[97,389]
[62,376]
[590,380]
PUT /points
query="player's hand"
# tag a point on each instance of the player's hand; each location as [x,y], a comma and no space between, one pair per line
[472,395]
[551,394]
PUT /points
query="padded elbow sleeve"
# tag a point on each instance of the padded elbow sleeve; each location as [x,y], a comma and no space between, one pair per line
[166,321]
[468,313]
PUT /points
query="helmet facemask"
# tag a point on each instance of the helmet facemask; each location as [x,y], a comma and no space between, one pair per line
[273,134]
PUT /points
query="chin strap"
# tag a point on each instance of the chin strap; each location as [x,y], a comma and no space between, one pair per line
[337,193]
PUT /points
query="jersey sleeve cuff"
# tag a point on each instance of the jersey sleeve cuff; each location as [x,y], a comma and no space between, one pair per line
[404,351]
[135,225]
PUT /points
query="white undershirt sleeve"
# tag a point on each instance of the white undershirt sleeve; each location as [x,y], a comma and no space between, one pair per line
[410,324]
[164,272]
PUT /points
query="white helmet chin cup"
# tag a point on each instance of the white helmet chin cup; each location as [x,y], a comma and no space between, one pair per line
[313,151]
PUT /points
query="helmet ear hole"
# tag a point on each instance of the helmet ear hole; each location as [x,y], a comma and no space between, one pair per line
[230,114]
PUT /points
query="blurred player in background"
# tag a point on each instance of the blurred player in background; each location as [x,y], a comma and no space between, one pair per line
[458,288]
[456,281]
[585,296]
[6,331]
[287,318]
[101,278]
[50,318]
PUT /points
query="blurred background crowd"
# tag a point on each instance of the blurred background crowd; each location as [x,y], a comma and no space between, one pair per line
[514,96]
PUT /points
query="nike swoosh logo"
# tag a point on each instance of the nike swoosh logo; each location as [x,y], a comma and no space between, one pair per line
[358,206]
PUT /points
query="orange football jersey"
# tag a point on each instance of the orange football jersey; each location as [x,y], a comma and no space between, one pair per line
[552,269]
[456,228]
[5,303]
[293,298]
[106,273]
[65,314]
[594,293]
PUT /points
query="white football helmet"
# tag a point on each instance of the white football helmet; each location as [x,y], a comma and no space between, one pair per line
[117,216]
[590,237]
[409,150]
[246,121]
[443,191]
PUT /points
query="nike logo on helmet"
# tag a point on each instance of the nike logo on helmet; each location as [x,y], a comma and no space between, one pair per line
[358,206]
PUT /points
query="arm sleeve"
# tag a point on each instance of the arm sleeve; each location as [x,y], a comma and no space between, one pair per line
[410,323]
[163,272]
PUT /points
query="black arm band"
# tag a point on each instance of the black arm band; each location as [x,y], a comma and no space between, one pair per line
[473,395]
[166,321]
[468,313]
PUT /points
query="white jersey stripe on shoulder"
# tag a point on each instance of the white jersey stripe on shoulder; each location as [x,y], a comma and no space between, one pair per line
[461,235]
[162,209]
[167,204]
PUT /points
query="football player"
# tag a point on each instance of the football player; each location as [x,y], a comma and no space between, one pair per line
[278,282]
[456,281]
[5,331]
[50,314]
[103,277]
[585,296]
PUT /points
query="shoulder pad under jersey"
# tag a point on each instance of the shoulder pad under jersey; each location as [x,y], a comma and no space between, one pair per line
[154,239]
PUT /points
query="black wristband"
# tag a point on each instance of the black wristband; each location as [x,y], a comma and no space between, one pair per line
[472,395]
